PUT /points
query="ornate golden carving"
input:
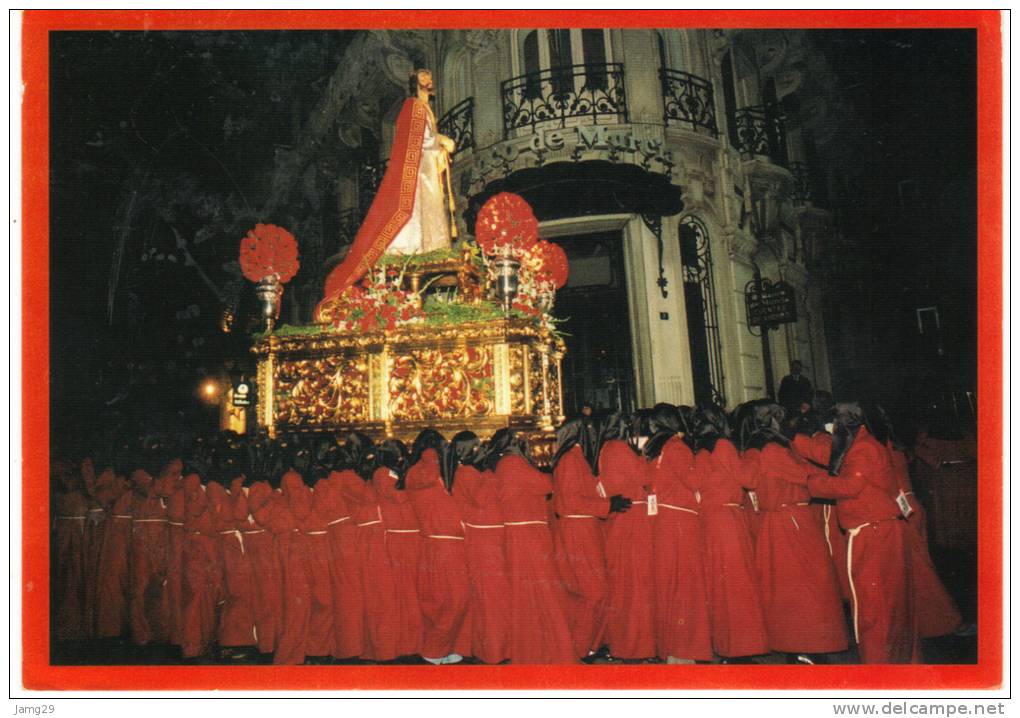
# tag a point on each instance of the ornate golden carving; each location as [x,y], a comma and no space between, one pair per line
[478,375]
[322,391]
[436,383]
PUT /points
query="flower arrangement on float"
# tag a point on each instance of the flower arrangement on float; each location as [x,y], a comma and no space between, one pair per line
[269,257]
[525,269]
[378,301]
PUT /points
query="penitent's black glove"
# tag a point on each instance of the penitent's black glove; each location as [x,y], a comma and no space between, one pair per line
[619,504]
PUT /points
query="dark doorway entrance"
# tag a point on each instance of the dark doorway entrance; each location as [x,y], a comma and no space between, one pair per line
[599,366]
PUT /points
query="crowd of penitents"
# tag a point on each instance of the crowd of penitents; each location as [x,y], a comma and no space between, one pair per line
[672,534]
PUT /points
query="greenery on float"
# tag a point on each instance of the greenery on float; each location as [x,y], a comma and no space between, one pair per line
[442,309]
[410,261]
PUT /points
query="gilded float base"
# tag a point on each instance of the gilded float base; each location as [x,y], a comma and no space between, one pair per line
[479,376]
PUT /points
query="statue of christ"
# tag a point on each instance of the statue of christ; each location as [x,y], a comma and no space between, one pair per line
[410,214]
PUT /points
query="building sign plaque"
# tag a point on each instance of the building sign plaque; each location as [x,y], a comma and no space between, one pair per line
[770,304]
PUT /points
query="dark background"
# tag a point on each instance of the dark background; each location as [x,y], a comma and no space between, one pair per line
[165,147]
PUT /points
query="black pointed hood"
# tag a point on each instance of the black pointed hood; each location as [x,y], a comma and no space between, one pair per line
[576,432]
[847,420]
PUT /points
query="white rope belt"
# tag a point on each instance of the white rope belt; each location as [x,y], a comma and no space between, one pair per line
[316,533]
[70,518]
[237,535]
[149,521]
[639,502]
[799,503]
[95,511]
[336,521]
[850,573]
[176,523]
[826,515]
[486,526]
[370,523]
[441,536]
[403,531]
[578,516]
[254,531]
[526,523]
[736,506]
[677,508]
[121,516]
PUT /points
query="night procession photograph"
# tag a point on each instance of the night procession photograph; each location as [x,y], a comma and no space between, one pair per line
[617,350]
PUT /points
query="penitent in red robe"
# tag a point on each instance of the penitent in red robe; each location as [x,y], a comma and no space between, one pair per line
[404,550]
[202,568]
[681,595]
[149,604]
[580,548]
[443,588]
[734,594]
[878,553]
[803,607]
[237,619]
[113,590]
[70,511]
[307,623]
[348,600]
[935,609]
[630,623]
[176,512]
[539,628]
[477,495]
[817,447]
[264,562]
[375,574]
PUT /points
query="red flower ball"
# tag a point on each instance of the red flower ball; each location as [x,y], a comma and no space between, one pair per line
[552,261]
[506,221]
[269,250]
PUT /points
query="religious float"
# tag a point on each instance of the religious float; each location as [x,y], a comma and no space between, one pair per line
[456,338]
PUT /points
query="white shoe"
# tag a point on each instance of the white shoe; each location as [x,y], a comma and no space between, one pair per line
[434,661]
[452,658]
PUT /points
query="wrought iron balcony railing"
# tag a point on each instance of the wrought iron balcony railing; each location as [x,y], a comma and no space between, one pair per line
[688,99]
[760,130]
[459,125]
[550,97]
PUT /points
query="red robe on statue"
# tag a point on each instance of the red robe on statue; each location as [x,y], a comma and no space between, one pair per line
[878,553]
[392,206]
[681,594]
[539,629]
[630,623]
[443,588]
[477,495]
[580,548]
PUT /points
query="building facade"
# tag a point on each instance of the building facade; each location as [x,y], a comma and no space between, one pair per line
[677,167]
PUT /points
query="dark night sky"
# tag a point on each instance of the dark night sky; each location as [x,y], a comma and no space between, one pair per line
[190,123]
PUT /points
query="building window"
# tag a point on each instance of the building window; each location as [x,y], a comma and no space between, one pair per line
[564,74]
[702,312]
